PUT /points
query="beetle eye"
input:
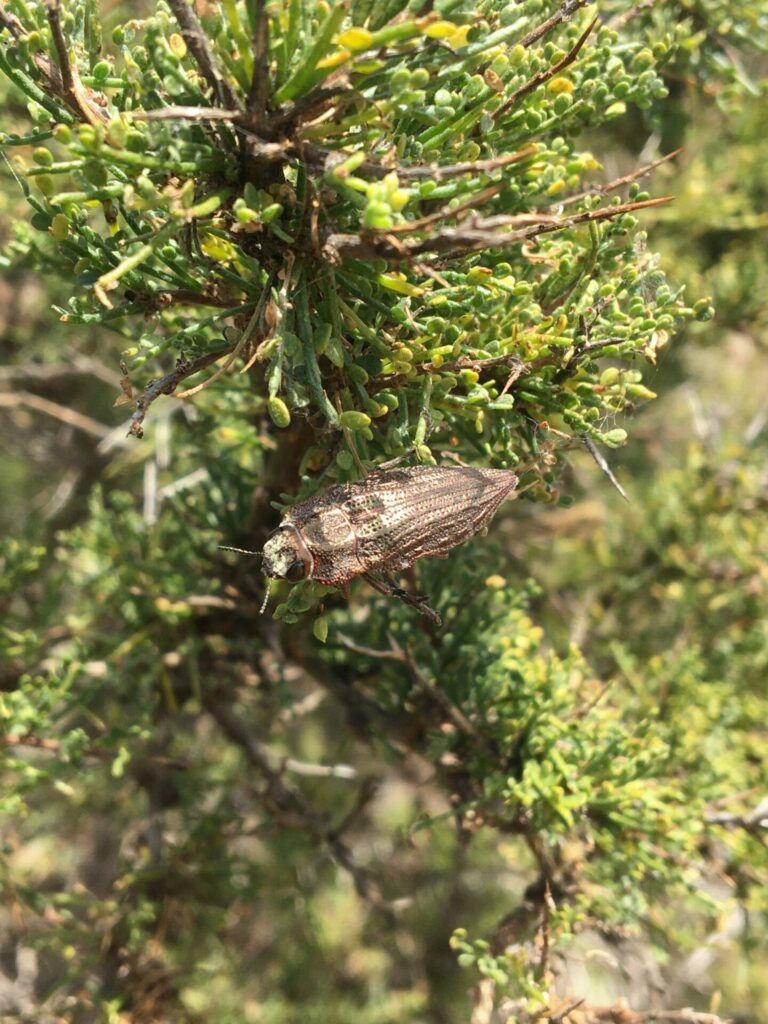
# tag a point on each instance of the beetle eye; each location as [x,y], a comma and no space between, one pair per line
[296,571]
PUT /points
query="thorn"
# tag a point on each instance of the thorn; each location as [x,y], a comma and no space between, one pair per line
[591,447]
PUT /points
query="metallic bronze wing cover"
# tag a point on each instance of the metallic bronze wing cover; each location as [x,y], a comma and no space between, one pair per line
[393,517]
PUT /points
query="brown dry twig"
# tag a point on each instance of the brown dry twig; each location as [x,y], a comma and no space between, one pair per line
[627,179]
[544,76]
[200,48]
[73,87]
[167,385]
[55,82]
[564,13]
[478,233]
[620,20]
[620,1013]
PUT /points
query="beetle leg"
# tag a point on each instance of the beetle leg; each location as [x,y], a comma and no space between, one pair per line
[387,586]
[391,463]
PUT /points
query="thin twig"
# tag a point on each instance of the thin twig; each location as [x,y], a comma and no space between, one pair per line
[549,73]
[54,20]
[441,698]
[370,652]
[611,186]
[167,385]
[199,46]
[241,343]
[481,233]
[620,1013]
[319,771]
[602,463]
[434,218]
[181,113]
[620,20]
[565,13]
[438,173]
[53,76]
[307,107]
[100,753]
[258,94]
[73,87]
[561,1015]
[286,803]
[755,822]
[59,412]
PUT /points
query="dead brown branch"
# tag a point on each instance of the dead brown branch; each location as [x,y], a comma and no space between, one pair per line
[544,76]
[565,13]
[256,107]
[167,385]
[73,87]
[199,46]
[478,233]
[620,1013]
[627,179]
[58,82]
[620,20]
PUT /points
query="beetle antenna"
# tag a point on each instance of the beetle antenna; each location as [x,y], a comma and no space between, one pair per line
[240,551]
[266,596]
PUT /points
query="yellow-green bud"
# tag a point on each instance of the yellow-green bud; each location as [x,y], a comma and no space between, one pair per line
[355,420]
[279,412]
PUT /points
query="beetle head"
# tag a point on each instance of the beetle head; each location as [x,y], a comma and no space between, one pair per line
[286,556]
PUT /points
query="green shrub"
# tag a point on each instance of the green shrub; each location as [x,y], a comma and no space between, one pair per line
[356,232]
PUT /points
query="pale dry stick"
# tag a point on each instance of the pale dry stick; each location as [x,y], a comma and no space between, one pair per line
[481,233]
[319,771]
[59,412]
[602,464]
[186,113]
[620,1013]
[611,186]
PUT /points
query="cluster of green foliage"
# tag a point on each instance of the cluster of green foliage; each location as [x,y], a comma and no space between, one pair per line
[386,215]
